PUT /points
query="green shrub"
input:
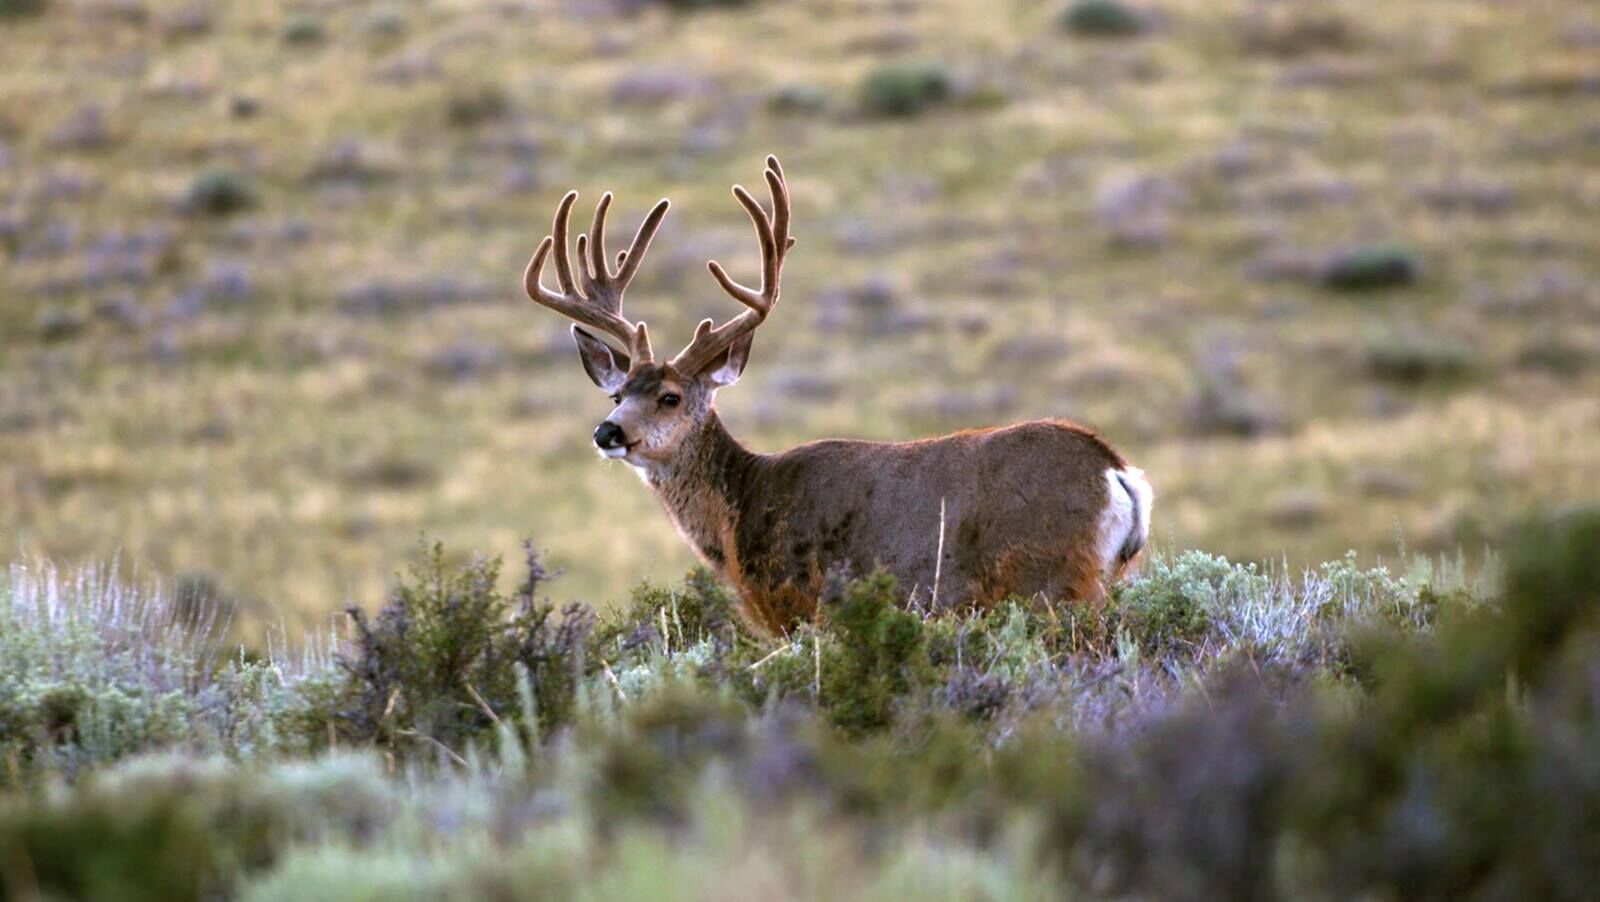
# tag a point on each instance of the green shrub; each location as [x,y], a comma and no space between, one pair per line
[1010,640]
[1552,584]
[1555,354]
[439,664]
[905,89]
[1415,358]
[649,765]
[1371,269]
[303,31]
[1297,29]
[220,192]
[1355,594]
[879,656]
[60,324]
[87,686]
[1173,608]
[1104,18]
[1193,759]
[795,99]
[334,873]
[1474,726]
[384,26]
[16,9]
[473,105]
[172,827]
[700,609]
[1440,783]
[692,5]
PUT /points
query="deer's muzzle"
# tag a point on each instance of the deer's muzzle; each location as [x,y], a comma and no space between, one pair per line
[609,437]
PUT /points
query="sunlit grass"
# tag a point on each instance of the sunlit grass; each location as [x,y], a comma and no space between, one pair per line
[293,449]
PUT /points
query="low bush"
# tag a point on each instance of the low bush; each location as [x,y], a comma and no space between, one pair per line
[175,827]
[1415,358]
[1104,19]
[905,89]
[473,105]
[219,192]
[1173,609]
[1556,354]
[797,99]
[879,656]
[1298,29]
[60,324]
[16,9]
[1371,269]
[449,657]
[303,31]
[1212,728]
[691,5]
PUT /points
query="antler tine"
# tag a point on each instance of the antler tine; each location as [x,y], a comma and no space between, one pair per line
[628,261]
[586,279]
[595,297]
[780,204]
[559,230]
[597,242]
[773,234]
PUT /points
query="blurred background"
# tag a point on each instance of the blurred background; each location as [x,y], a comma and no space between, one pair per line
[1326,270]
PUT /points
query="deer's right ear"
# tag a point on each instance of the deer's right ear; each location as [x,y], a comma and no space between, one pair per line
[606,368]
[728,366]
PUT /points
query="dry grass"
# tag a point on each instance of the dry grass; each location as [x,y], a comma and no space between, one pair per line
[231,394]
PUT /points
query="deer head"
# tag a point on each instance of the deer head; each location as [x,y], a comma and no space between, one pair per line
[658,405]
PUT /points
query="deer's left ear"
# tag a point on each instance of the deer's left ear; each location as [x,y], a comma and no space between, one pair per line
[729,366]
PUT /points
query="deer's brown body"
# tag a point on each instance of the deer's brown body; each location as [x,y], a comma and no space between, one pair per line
[964,519]
[773,525]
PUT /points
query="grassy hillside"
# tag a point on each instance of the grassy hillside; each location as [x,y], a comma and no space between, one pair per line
[1325,269]
[1212,731]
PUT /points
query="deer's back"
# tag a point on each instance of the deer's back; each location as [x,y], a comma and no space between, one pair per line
[1016,503]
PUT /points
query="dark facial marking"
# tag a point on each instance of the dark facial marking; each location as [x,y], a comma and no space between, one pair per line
[646,382]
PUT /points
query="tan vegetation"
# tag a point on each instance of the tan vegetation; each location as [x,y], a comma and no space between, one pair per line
[260,319]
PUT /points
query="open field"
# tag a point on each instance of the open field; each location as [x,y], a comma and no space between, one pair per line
[260,321]
[1328,270]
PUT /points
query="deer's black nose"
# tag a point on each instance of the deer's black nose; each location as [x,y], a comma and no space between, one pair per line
[609,435]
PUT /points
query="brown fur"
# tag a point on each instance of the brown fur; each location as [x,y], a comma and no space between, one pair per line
[1022,505]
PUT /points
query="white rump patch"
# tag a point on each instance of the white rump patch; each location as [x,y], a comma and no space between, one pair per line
[1125,522]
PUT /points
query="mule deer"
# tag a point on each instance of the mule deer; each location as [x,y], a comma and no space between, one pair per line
[1038,507]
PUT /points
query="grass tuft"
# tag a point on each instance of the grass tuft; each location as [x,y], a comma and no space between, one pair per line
[17,9]
[902,90]
[1104,19]
[1371,269]
[220,192]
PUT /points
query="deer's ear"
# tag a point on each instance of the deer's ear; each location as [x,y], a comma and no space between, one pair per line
[606,368]
[727,367]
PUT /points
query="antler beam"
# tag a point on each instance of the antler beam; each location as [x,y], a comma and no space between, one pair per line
[595,298]
[711,341]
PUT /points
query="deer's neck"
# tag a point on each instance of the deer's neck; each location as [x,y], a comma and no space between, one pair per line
[703,489]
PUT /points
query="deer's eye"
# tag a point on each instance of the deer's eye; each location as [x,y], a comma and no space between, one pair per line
[670,400]
[616,399]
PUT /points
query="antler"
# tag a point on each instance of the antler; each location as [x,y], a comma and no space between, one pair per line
[596,298]
[711,341]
